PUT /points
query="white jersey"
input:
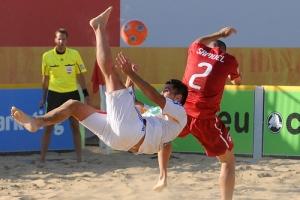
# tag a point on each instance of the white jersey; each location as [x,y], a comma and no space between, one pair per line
[122,127]
[162,126]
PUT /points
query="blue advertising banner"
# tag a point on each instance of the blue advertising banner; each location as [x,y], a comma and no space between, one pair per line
[14,138]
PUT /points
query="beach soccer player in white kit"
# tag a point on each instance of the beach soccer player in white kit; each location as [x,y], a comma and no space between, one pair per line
[123,127]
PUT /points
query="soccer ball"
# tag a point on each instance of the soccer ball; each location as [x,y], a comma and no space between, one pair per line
[134,32]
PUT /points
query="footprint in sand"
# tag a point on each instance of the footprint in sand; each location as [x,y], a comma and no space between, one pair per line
[265,174]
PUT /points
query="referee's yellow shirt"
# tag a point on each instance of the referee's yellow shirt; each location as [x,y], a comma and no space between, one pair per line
[62,69]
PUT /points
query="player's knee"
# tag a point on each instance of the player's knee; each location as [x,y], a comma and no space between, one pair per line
[228,158]
[72,104]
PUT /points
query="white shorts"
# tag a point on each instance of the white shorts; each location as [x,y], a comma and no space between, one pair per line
[122,127]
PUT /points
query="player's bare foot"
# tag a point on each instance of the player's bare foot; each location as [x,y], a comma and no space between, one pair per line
[24,120]
[101,20]
[160,185]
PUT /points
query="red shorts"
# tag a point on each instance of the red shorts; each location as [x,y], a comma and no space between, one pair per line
[211,133]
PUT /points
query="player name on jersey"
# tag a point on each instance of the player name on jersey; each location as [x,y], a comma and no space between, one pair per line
[212,56]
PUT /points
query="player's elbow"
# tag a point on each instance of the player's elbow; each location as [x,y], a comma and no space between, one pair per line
[237,81]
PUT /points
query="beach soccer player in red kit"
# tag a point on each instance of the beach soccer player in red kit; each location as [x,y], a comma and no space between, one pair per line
[207,70]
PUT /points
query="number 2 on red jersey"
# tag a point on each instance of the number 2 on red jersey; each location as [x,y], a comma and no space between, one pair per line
[199,75]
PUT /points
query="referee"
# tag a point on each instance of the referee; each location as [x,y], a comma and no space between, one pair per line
[62,69]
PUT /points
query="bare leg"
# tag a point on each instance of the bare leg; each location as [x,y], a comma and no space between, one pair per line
[103,52]
[72,108]
[76,137]
[163,161]
[227,175]
[45,142]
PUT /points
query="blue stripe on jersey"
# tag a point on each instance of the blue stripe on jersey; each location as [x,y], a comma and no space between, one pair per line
[139,114]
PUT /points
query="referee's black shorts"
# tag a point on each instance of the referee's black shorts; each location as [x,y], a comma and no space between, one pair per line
[55,99]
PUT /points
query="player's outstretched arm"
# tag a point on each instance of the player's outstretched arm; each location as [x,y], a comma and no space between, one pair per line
[148,90]
[129,83]
[222,33]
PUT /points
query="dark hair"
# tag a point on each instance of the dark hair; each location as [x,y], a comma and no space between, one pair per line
[62,31]
[180,88]
[221,44]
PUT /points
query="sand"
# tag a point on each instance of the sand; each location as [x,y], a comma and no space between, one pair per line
[124,176]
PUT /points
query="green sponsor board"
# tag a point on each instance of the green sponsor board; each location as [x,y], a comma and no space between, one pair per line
[237,113]
[281,133]
[142,98]
[188,144]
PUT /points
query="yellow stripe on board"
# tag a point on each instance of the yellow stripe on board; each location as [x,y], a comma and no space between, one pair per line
[240,87]
[227,87]
[281,88]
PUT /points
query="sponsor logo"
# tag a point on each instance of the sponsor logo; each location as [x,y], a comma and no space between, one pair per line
[81,67]
[69,69]
[7,124]
[292,123]
[240,121]
[274,122]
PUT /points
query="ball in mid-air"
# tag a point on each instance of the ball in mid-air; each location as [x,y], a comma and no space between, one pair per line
[134,32]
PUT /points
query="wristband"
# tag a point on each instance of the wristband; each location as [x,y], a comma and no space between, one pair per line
[85,92]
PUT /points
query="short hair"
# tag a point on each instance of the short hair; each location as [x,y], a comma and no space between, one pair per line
[62,31]
[180,88]
[221,44]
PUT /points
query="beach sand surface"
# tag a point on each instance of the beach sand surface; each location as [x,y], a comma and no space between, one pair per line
[124,176]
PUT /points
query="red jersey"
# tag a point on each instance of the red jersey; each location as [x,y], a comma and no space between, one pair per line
[205,76]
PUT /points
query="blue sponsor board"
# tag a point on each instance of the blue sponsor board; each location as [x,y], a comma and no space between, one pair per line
[14,138]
